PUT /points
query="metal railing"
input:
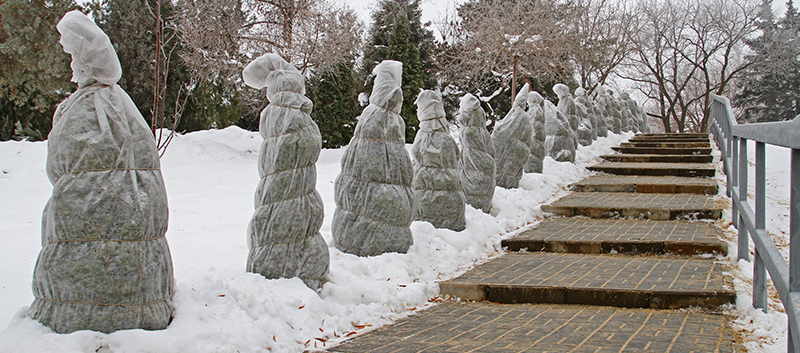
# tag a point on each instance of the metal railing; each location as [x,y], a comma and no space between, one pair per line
[731,138]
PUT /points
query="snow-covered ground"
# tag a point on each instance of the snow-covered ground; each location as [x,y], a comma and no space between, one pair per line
[210,178]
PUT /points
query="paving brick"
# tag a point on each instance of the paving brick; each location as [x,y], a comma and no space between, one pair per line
[613,280]
[636,205]
[548,328]
[673,134]
[656,169]
[647,184]
[663,158]
[603,236]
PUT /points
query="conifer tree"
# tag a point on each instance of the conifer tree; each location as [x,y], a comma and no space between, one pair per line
[397,28]
[770,89]
[35,70]
[336,106]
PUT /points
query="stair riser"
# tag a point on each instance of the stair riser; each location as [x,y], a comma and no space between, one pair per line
[634,213]
[657,172]
[649,189]
[621,247]
[667,144]
[656,150]
[658,159]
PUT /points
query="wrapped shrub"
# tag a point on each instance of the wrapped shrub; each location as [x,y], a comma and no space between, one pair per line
[512,138]
[283,234]
[373,194]
[559,142]
[600,127]
[437,181]
[105,264]
[576,117]
[612,114]
[535,163]
[477,151]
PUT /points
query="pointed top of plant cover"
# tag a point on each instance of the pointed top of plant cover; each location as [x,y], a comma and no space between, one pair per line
[521,100]
[468,102]
[93,56]
[265,70]
[429,105]
[580,92]
[386,91]
[534,98]
[561,90]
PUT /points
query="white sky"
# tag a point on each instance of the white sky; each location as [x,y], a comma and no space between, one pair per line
[432,10]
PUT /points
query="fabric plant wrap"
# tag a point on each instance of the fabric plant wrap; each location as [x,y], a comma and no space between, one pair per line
[585,106]
[437,179]
[535,163]
[283,233]
[558,143]
[566,104]
[105,264]
[477,154]
[373,193]
[613,120]
[512,138]
[637,112]
[600,127]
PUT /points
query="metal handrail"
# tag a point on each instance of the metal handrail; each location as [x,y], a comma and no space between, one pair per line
[731,138]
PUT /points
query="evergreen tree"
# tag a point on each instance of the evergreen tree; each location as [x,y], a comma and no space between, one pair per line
[402,49]
[397,28]
[35,69]
[335,104]
[770,88]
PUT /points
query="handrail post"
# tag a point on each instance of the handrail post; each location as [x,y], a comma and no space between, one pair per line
[794,224]
[734,182]
[744,247]
[759,271]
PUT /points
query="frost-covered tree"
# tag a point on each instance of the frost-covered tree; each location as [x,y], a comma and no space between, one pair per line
[283,234]
[373,193]
[477,151]
[512,139]
[437,178]
[770,86]
[105,263]
[535,163]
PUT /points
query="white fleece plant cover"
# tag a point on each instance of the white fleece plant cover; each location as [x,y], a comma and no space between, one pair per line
[559,142]
[566,104]
[437,180]
[105,264]
[283,233]
[512,138]
[600,129]
[535,163]
[477,154]
[585,107]
[373,194]
[606,102]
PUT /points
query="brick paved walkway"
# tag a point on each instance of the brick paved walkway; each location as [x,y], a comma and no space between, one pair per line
[635,205]
[489,327]
[593,284]
[647,184]
[603,236]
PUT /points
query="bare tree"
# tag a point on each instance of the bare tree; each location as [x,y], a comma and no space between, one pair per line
[685,51]
[498,40]
[603,39]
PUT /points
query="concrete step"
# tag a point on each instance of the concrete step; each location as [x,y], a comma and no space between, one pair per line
[663,158]
[647,184]
[609,280]
[504,328]
[663,150]
[656,169]
[665,144]
[636,206]
[623,236]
